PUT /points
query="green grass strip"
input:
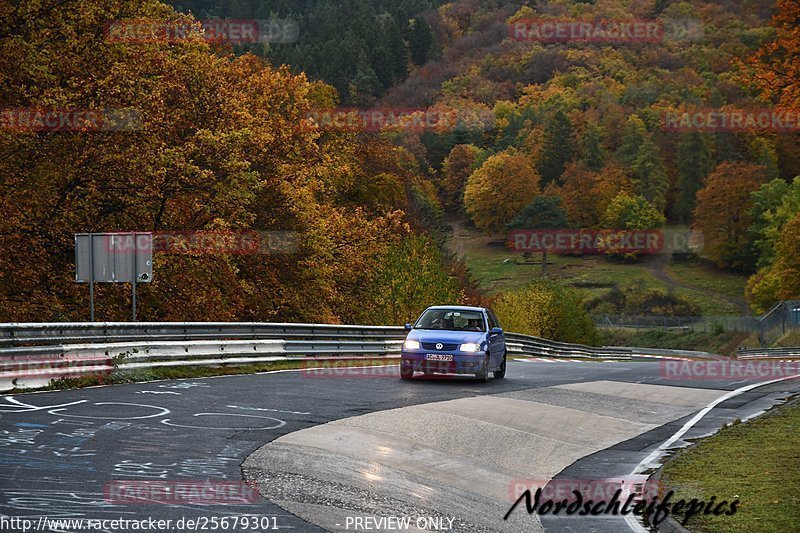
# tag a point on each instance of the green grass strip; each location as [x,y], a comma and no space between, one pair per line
[757,463]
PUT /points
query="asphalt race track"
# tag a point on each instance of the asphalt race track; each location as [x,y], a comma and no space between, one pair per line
[324,449]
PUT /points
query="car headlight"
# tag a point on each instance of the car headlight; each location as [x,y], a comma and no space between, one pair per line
[469,347]
[411,345]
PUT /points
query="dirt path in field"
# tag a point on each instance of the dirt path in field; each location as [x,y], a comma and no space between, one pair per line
[462,236]
[456,245]
[657,268]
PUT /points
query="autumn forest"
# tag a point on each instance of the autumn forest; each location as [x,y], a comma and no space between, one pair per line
[540,133]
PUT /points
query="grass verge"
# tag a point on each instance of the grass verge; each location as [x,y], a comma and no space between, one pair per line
[790,340]
[719,342]
[704,274]
[757,463]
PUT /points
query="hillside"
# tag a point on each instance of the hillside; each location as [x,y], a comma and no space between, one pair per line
[601,126]
[598,120]
[608,125]
[360,47]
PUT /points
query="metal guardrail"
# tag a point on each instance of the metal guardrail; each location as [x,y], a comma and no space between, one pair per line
[769,353]
[26,367]
[660,352]
[32,354]
[39,334]
[518,344]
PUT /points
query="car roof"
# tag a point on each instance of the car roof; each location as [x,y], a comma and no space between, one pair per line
[457,307]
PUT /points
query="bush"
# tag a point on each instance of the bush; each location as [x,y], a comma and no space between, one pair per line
[658,303]
[546,309]
[635,301]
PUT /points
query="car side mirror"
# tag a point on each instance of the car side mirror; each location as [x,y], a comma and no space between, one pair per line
[496,331]
[409,327]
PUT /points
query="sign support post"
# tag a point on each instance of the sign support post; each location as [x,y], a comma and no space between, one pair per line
[91,278]
[133,279]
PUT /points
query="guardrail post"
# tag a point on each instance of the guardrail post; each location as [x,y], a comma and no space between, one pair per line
[91,277]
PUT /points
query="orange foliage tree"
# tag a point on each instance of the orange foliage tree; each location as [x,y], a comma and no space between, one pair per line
[457,167]
[586,195]
[219,143]
[721,213]
[775,68]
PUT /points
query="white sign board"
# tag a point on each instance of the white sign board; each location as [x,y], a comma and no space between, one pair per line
[113,257]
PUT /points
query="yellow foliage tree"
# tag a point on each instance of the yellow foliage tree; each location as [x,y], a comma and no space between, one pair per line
[498,190]
[787,266]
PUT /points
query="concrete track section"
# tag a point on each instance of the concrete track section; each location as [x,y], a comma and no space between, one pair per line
[454,465]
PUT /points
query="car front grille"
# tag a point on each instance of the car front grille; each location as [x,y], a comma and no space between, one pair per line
[445,347]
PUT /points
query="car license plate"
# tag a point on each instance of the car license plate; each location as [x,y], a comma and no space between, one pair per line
[438,357]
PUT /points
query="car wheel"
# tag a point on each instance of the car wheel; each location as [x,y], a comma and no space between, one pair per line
[406,373]
[500,374]
[483,375]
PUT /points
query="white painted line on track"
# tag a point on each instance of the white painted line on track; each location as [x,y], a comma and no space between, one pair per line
[634,525]
[647,462]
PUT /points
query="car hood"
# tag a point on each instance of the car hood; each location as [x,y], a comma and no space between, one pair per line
[450,337]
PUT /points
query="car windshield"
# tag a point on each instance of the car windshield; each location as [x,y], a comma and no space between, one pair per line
[451,320]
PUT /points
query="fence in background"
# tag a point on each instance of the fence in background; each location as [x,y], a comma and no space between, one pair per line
[782,317]
[690,323]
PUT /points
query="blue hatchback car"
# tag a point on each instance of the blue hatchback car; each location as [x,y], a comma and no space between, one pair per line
[454,340]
